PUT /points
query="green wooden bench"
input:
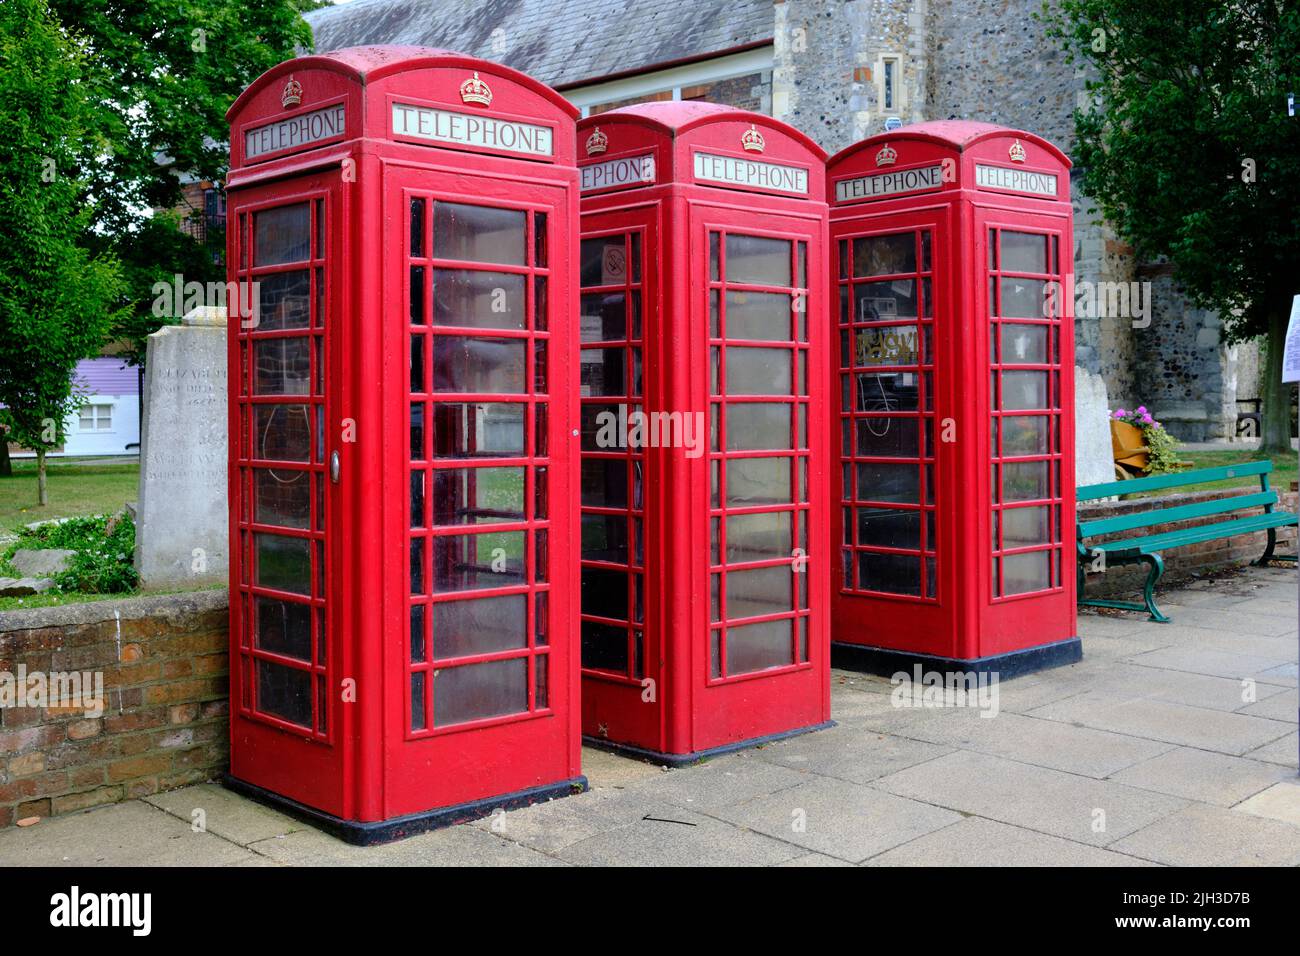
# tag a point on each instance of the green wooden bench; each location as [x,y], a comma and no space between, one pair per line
[1145,548]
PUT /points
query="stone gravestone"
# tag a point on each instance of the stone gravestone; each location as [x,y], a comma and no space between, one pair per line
[181,520]
[1094,461]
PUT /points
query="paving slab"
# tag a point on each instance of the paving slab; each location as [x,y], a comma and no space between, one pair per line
[1280,706]
[1202,835]
[551,826]
[225,813]
[1279,802]
[672,836]
[1206,660]
[976,841]
[849,752]
[1181,687]
[1043,743]
[838,818]
[124,834]
[720,781]
[605,769]
[1203,776]
[1049,801]
[454,846]
[1281,751]
[815,859]
[1163,720]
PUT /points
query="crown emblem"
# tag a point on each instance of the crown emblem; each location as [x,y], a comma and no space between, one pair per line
[475,90]
[292,94]
[1016,152]
[597,142]
[752,140]
[887,156]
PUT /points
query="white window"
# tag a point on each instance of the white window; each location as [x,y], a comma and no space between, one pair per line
[96,418]
[889,84]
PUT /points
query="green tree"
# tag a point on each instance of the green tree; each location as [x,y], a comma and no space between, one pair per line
[56,298]
[1188,150]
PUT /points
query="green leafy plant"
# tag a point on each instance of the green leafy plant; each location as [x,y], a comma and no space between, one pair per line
[1162,447]
[104,546]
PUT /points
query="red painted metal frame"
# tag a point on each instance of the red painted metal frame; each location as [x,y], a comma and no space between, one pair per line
[365,764]
[677,707]
[968,618]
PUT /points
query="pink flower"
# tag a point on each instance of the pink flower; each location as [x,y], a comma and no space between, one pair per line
[1120,413]
[1141,409]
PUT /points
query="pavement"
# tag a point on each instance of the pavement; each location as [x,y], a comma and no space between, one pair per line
[1169,744]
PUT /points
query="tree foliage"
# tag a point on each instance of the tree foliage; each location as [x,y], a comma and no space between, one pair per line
[1188,150]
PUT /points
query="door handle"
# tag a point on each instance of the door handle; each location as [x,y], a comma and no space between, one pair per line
[334,467]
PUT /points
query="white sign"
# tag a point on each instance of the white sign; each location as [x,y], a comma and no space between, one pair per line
[1291,352]
[731,171]
[1015,180]
[629,171]
[294,132]
[468,129]
[891,183]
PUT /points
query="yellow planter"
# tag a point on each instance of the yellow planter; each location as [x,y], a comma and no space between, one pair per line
[1128,445]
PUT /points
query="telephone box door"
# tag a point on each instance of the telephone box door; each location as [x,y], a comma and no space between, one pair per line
[479,298]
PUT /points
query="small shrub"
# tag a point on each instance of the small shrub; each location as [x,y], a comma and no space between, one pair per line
[1162,447]
[104,559]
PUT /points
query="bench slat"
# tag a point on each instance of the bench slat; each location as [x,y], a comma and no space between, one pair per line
[1209,532]
[1172,480]
[1198,509]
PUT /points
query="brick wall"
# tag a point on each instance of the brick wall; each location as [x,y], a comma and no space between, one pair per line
[1184,562]
[164,721]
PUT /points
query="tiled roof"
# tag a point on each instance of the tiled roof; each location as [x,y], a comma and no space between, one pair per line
[560,42]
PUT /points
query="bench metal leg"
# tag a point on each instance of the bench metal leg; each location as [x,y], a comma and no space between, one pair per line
[1148,592]
[1268,554]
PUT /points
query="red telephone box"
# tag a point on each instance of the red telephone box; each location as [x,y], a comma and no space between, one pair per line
[951,264]
[403,471]
[704,546]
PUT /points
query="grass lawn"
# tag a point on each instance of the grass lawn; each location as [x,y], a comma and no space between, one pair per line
[76,486]
[1284,467]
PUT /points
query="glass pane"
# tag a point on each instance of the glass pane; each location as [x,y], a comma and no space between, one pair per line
[281,367]
[282,497]
[417,227]
[477,495]
[1023,390]
[754,371]
[758,315]
[417,700]
[282,627]
[1024,298]
[884,255]
[1024,435]
[882,301]
[478,234]
[886,345]
[604,647]
[603,372]
[284,692]
[1025,572]
[463,363]
[888,392]
[282,234]
[758,481]
[604,538]
[283,301]
[604,483]
[757,260]
[758,425]
[417,431]
[480,300]
[416,565]
[889,528]
[888,437]
[603,261]
[604,593]
[468,562]
[600,428]
[417,364]
[1022,527]
[759,591]
[758,537]
[284,562]
[480,626]
[483,429]
[883,481]
[283,433]
[604,317]
[539,240]
[418,644]
[1024,481]
[1023,252]
[1024,344]
[417,295]
[478,691]
[889,573]
[756,647]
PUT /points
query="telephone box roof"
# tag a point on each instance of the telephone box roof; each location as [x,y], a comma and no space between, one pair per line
[958,135]
[676,117]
